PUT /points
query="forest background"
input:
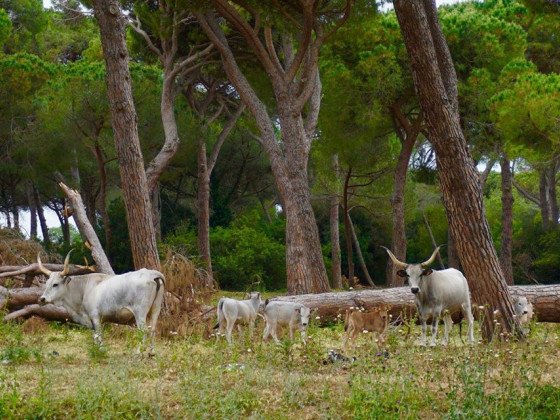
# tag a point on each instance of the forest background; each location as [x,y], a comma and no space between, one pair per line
[55,125]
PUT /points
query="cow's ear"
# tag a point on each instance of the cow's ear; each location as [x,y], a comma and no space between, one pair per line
[66,280]
[402,273]
[427,272]
[298,310]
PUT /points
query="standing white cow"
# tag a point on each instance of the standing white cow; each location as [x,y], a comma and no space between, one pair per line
[290,314]
[95,298]
[436,292]
[230,311]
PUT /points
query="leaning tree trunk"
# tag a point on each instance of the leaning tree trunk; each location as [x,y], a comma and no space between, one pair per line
[436,84]
[135,190]
[507,221]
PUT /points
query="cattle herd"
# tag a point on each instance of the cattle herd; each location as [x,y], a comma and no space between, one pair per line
[138,295]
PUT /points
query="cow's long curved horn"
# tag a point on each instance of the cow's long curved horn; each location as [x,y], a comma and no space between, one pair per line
[395,260]
[41,266]
[66,264]
[431,259]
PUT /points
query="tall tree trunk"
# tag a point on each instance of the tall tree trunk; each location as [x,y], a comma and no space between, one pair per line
[203,208]
[507,220]
[42,219]
[408,133]
[554,212]
[436,84]
[544,200]
[335,230]
[125,128]
[347,231]
[433,239]
[32,209]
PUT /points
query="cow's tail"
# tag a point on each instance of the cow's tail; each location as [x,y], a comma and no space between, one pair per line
[160,289]
[219,313]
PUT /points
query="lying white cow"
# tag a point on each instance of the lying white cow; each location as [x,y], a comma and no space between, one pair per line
[230,311]
[436,292]
[290,314]
[95,298]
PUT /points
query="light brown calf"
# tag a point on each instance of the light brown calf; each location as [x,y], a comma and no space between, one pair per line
[375,322]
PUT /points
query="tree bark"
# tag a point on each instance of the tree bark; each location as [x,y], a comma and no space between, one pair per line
[506,242]
[436,84]
[335,230]
[125,128]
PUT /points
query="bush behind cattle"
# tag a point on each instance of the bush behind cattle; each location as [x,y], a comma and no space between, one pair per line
[50,373]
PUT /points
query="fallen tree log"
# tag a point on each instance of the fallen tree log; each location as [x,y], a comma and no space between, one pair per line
[545,299]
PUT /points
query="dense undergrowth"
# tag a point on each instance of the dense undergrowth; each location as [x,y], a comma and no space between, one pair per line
[55,372]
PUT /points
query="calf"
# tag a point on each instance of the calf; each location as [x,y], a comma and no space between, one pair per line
[375,322]
[95,298]
[436,292]
[523,309]
[231,311]
[290,314]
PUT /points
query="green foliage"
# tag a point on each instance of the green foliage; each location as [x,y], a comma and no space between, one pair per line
[249,252]
[5,27]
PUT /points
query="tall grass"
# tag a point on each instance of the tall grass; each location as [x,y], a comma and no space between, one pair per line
[53,374]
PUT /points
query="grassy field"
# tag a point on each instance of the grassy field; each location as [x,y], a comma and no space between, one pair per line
[56,372]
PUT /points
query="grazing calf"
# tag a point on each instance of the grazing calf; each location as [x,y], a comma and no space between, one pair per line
[375,322]
[95,298]
[436,292]
[290,314]
[232,311]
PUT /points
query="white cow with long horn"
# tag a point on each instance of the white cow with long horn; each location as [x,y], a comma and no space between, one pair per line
[436,292]
[95,298]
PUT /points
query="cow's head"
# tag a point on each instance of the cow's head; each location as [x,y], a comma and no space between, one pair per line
[414,273]
[383,311]
[304,313]
[521,306]
[57,282]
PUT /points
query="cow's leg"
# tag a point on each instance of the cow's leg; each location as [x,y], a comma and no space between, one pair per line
[435,319]
[470,320]
[346,337]
[273,331]
[424,327]
[448,322]
[229,329]
[153,317]
[266,330]
[302,332]
[97,329]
